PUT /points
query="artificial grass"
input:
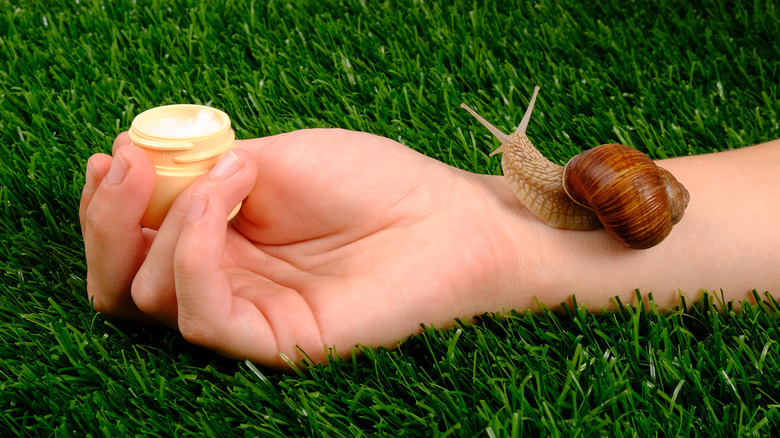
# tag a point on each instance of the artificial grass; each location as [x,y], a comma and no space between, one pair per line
[669,78]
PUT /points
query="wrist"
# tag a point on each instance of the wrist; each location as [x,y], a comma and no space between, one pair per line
[524,270]
[541,265]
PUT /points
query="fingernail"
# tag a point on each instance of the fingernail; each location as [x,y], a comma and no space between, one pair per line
[90,179]
[116,174]
[227,166]
[198,204]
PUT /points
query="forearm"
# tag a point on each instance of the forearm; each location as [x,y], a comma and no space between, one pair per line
[728,240]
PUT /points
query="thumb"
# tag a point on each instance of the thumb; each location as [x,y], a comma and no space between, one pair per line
[208,312]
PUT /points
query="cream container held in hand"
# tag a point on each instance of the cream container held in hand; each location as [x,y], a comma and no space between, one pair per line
[184,142]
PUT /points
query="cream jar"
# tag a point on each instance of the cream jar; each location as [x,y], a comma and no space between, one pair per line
[184,142]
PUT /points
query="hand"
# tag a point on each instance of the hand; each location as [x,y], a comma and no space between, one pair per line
[344,238]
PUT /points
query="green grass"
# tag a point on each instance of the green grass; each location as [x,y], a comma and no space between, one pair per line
[671,78]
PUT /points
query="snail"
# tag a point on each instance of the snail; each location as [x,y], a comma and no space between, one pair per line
[611,185]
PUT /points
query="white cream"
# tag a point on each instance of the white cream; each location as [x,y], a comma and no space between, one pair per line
[171,127]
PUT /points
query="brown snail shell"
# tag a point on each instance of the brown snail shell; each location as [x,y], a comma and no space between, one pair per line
[636,201]
[612,185]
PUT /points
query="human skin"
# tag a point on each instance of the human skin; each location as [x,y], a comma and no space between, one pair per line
[348,238]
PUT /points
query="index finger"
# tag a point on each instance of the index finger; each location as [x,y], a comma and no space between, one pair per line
[120,141]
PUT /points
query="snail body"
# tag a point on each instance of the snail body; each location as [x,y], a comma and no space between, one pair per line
[611,185]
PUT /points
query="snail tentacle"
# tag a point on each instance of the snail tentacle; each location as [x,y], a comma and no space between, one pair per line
[503,138]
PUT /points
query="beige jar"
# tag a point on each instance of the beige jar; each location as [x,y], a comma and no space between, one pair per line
[184,142]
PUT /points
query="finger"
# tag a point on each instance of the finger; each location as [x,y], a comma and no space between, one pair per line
[209,314]
[120,141]
[97,167]
[114,242]
[154,288]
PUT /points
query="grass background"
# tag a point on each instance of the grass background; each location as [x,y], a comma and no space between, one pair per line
[671,78]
